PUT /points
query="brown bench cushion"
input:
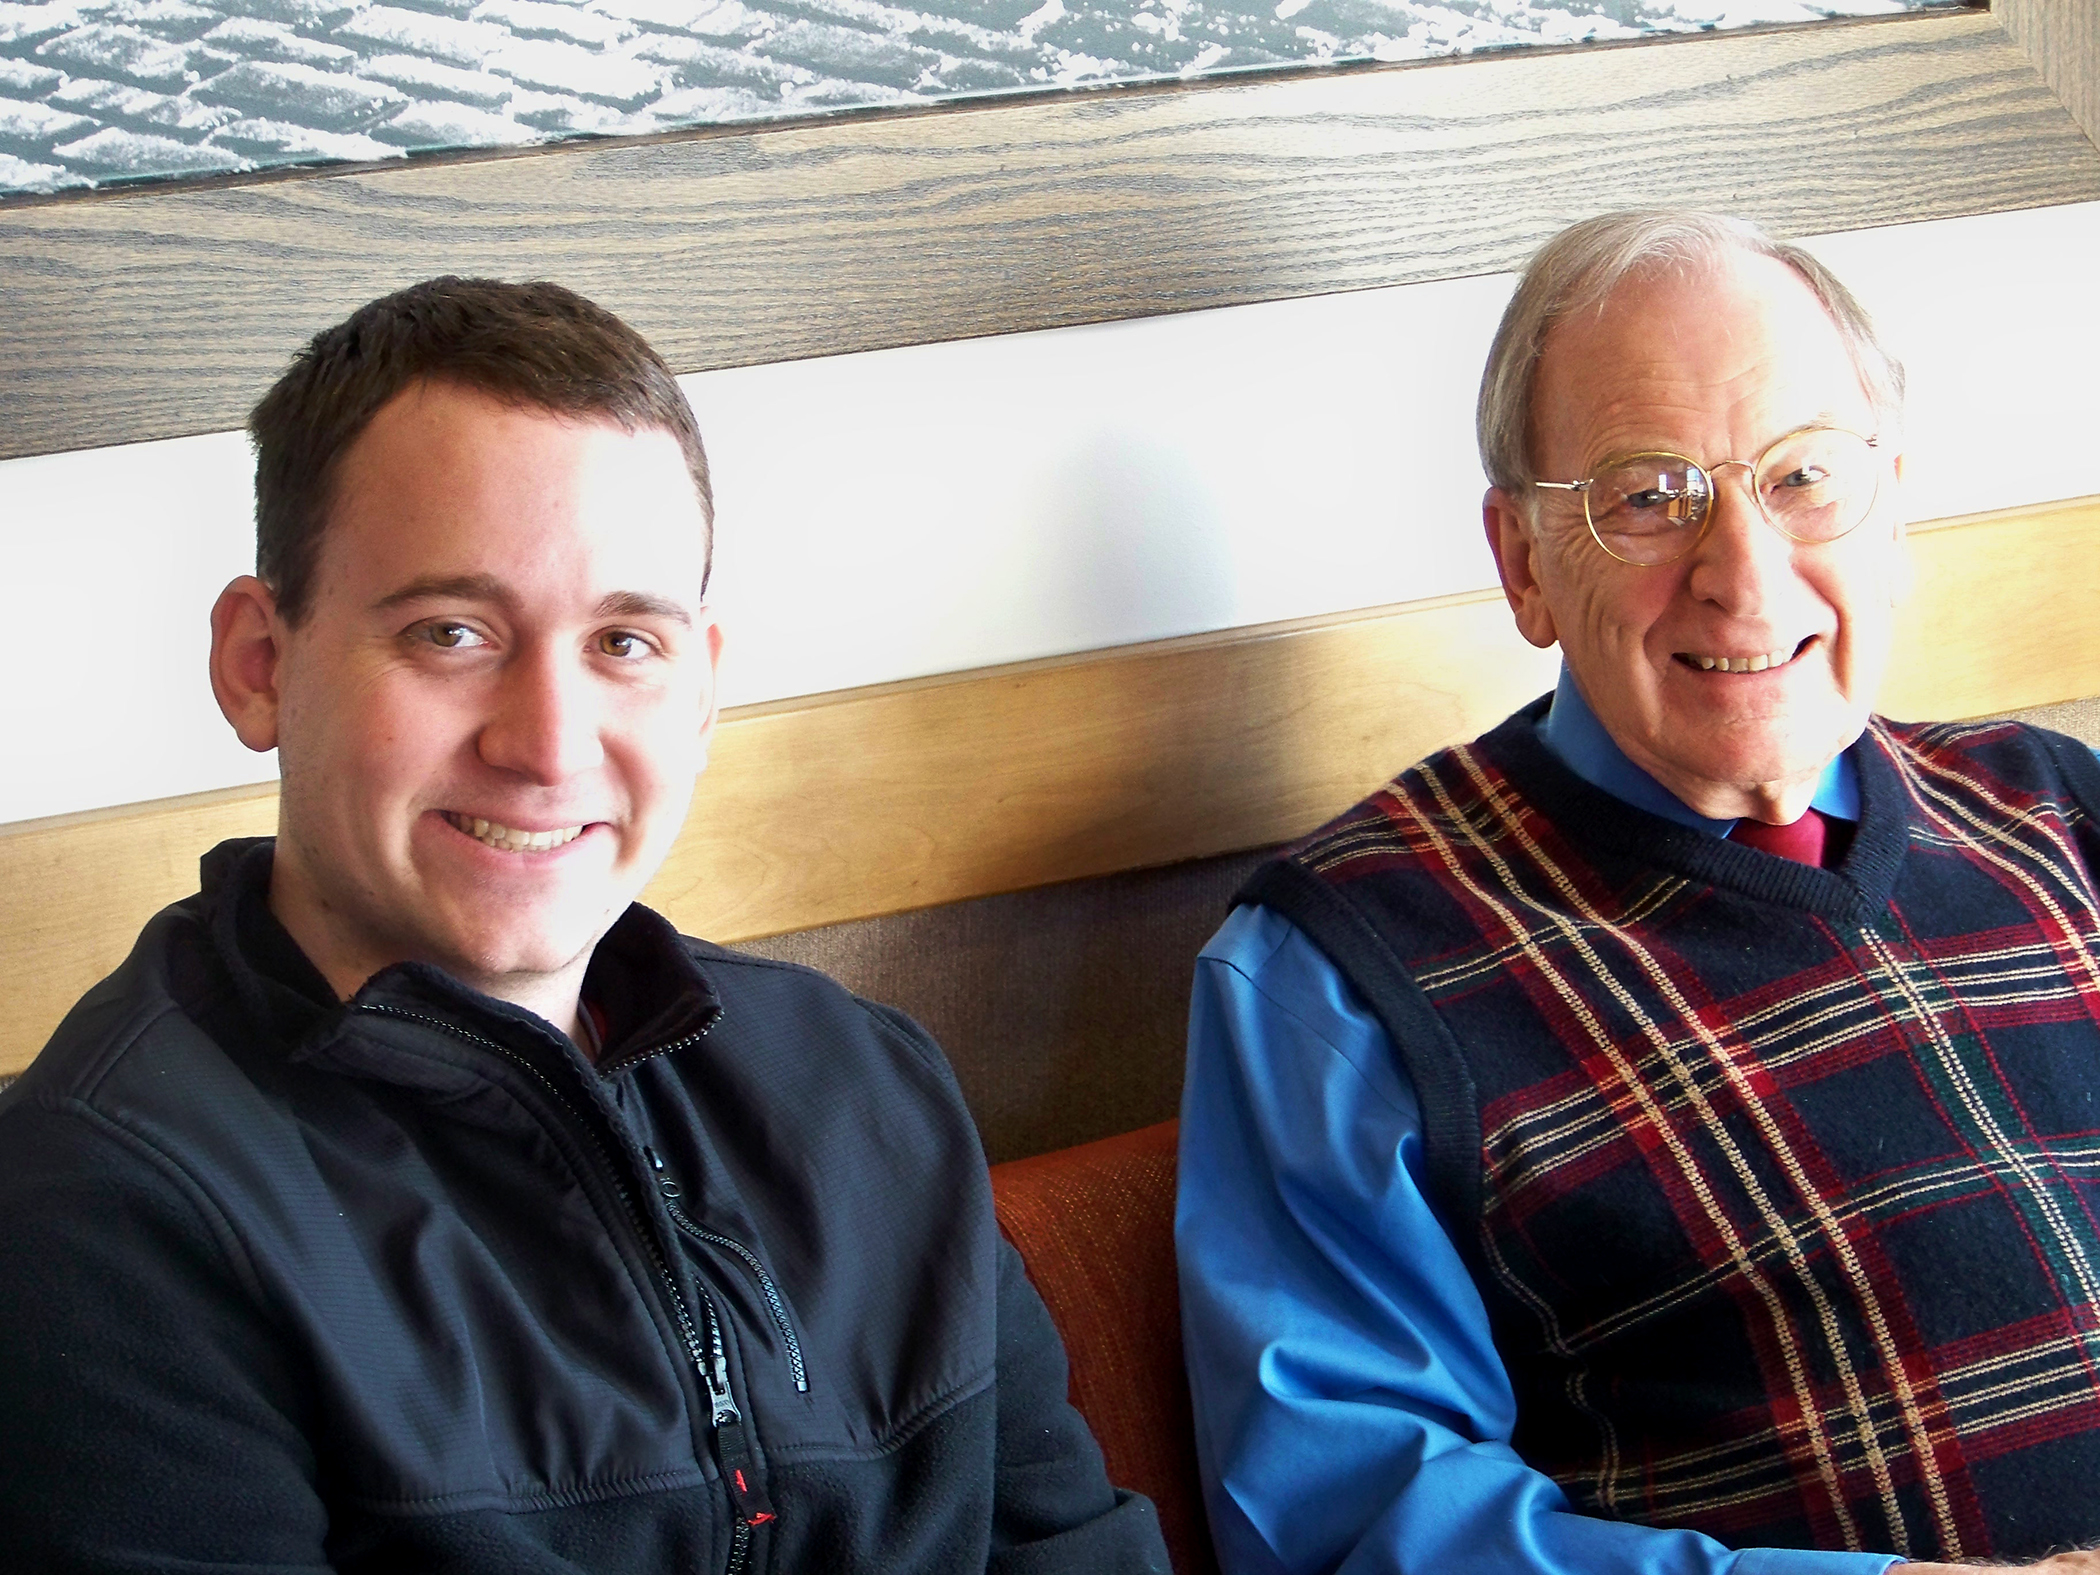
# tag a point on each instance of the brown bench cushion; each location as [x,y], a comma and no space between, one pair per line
[1095,1225]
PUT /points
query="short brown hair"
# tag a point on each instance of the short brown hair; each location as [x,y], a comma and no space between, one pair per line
[537,345]
[1580,267]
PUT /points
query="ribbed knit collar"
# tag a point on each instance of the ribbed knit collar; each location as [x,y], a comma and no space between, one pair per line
[1596,821]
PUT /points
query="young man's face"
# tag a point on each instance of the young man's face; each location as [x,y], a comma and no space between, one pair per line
[491,716]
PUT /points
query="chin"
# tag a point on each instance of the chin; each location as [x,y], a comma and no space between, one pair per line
[511,953]
[1753,771]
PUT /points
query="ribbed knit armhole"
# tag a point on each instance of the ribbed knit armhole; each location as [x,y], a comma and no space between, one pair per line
[2075,759]
[1428,1054]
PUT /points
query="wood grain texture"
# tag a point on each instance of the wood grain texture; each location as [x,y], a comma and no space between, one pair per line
[2062,37]
[902,796]
[155,314]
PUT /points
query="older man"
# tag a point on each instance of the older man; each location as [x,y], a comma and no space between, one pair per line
[1659,1135]
[411,1199]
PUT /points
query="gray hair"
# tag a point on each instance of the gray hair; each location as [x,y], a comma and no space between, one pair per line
[1580,268]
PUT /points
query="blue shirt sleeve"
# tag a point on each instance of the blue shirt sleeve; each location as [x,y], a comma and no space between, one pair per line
[1351,1411]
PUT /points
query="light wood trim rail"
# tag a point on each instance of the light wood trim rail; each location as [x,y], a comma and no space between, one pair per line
[151,314]
[2005,615]
[905,795]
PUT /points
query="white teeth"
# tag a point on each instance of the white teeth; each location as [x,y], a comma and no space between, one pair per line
[509,841]
[1740,664]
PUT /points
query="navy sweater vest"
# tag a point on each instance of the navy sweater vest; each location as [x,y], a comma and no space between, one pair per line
[1780,1184]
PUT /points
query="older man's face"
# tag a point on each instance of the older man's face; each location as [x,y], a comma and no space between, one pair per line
[1713,366]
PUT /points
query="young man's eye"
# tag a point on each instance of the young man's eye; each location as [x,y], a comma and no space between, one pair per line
[623,643]
[452,636]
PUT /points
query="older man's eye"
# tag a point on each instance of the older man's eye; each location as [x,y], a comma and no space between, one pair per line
[1657,507]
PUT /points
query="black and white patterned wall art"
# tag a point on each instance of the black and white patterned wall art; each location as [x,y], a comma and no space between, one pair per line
[94,92]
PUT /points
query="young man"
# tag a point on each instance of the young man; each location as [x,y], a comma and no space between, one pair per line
[412,1199]
[1656,1138]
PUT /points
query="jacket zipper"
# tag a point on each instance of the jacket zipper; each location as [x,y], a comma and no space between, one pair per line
[733,1457]
[732,1449]
[775,1304]
[714,1015]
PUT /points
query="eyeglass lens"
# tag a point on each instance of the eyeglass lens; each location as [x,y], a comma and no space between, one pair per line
[1815,485]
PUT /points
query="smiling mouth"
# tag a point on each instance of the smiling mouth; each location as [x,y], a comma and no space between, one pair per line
[1763,661]
[507,840]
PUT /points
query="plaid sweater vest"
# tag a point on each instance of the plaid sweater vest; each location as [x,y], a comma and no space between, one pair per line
[1780,1184]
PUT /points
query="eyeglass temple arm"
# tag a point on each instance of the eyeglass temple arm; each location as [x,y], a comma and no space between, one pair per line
[1564,486]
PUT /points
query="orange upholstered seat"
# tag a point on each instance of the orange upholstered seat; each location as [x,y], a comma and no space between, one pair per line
[1095,1225]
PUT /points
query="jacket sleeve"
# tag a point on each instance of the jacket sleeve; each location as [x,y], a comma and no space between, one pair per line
[1052,1506]
[1352,1412]
[146,1419]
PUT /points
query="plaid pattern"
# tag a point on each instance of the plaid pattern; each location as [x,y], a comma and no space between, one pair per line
[1780,1183]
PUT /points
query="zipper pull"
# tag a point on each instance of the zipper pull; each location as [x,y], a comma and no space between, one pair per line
[725,1411]
[740,1472]
[747,1494]
[664,1184]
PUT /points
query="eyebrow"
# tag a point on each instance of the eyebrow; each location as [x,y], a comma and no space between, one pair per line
[638,604]
[487,588]
[444,587]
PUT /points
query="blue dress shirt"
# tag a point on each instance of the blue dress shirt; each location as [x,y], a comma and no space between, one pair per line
[1351,1411]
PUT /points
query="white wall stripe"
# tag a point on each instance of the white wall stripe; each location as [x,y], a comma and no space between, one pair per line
[943,507]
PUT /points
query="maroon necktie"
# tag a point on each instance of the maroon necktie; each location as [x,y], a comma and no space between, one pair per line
[1803,841]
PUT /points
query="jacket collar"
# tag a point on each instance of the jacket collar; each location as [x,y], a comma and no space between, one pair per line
[642,977]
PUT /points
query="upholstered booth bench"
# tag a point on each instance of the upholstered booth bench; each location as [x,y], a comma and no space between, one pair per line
[1095,1224]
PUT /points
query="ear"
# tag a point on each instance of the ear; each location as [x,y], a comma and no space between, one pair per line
[711,633]
[1515,548]
[247,651]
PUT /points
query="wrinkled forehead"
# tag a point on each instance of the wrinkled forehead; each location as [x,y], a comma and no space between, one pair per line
[1739,342]
[1734,297]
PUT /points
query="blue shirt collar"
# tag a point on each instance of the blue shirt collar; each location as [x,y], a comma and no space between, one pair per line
[1574,736]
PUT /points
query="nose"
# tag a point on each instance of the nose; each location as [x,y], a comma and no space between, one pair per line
[544,723]
[1742,560]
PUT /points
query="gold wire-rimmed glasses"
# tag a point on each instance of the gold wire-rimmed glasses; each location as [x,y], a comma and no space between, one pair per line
[1813,484]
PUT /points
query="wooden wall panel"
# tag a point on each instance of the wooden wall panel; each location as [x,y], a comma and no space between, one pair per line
[157,313]
[902,796]
[916,794]
[2063,39]
[2006,615]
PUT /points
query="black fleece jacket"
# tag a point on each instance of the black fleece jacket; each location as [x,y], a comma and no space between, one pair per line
[406,1284]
